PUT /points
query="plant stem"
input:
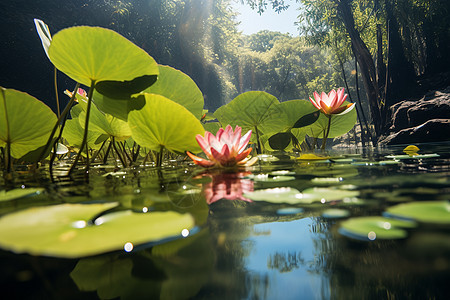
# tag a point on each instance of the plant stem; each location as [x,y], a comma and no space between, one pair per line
[86,127]
[324,141]
[8,161]
[160,157]
[122,160]
[56,92]
[258,149]
[63,115]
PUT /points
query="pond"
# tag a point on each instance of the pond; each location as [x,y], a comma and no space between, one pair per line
[280,229]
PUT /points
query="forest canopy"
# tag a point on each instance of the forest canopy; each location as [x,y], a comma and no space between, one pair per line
[376,49]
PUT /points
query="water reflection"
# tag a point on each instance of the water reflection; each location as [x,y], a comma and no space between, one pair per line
[229,186]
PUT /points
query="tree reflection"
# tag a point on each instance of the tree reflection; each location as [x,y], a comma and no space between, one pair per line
[285,262]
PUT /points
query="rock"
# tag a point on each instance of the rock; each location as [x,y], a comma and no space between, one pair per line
[435,130]
[425,120]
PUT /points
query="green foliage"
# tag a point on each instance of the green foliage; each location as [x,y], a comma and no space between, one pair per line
[93,54]
[25,122]
[162,123]
[252,111]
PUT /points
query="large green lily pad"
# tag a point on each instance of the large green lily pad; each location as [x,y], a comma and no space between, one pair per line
[252,110]
[436,212]
[25,122]
[164,123]
[65,231]
[88,54]
[372,228]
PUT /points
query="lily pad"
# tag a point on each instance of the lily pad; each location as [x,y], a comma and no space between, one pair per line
[180,88]
[418,156]
[335,213]
[93,54]
[25,122]
[372,228]
[19,193]
[65,231]
[172,84]
[276,195]
[324,195]
[164,123]
[435,212]
[252,110]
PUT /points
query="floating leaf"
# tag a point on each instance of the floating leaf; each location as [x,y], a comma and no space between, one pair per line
[436,212]
[289,211]
[324,195]
[25,122]
[19,193]
[418,156]
[276,195]
[372,228]
[164,123]
[64,230]
[88,54]
[335,213]
[310,156]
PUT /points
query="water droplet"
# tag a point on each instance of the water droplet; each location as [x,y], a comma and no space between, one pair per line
[79,224]
[99,221]
[185,232]
[372,236]
[387,225]
[145,209]
[128,247]
[323,200]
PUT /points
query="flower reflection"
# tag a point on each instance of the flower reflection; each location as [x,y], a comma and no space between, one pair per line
[229,186]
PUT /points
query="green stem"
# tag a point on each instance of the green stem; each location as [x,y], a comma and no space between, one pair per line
[8,161]
[258,149]
[61,117]
[324,141]
[56,92]
[160,157]
[122,160]
[86,128]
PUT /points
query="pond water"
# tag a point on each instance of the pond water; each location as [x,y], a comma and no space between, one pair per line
[291,245]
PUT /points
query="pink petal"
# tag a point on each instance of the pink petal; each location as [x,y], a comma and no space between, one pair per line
[244,141]
[314,103]
[317,97]
[334,100]
[325,107]
[203,144]
[348,108]
[243,155]
[200,161]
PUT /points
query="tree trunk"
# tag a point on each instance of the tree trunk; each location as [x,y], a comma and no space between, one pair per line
[365,62]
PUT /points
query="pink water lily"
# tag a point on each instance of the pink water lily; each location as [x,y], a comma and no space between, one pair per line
[225,149]
[331,104]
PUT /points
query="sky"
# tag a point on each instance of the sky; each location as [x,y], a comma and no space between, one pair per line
[252,22]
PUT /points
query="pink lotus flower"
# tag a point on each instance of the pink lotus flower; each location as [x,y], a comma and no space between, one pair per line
[228,186]
[331,104]
[226,149]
